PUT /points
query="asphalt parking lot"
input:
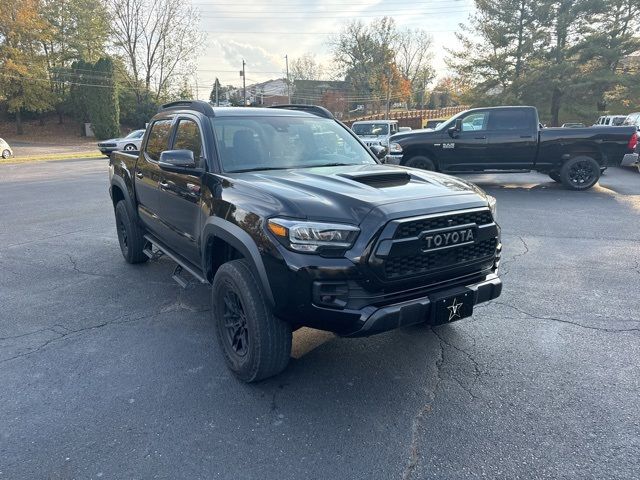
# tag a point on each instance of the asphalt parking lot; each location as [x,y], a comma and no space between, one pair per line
[109,370]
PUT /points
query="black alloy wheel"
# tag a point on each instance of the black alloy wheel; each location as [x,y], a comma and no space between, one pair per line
[235,322]
[255,343]
[580,173]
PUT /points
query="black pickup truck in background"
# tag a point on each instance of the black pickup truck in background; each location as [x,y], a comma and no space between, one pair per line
[510,139]
[294,222]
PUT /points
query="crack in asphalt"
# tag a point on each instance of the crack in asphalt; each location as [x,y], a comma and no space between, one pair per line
[421,414]
[116,321]
[74,265]
[506,262]
[570,322]
[7,247]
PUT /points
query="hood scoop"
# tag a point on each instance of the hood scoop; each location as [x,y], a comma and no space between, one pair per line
[380,179]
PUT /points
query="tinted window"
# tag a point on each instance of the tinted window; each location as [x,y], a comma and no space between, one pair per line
[158,139]
[510,120]
[254,143]
[188,138]
[475,121]
[372,129]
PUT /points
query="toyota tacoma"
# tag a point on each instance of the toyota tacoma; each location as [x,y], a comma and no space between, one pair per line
[294,222]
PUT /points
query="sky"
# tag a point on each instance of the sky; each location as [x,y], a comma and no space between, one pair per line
[263,32]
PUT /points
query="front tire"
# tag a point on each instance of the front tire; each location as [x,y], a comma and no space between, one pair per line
[6,154]
[129,147]
[580,173]
[255,343]
[421,162]
[130,235]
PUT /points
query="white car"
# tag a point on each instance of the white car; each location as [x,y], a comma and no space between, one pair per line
[5,149]
[130,143]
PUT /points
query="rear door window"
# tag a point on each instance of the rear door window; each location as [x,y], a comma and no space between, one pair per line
[158,140]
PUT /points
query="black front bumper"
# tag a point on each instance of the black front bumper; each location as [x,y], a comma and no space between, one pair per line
[418,310]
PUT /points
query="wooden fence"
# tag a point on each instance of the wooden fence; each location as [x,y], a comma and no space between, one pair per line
[413,118]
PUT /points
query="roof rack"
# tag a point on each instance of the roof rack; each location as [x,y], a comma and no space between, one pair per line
[314,109]
[197,105]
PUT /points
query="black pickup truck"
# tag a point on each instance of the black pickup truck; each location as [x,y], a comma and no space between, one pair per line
[295,222]
[510,139]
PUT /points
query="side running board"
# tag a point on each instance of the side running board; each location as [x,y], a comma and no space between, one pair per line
[182,264]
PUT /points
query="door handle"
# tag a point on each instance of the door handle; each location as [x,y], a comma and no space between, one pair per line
[163,184]
[139,174]
[480,138]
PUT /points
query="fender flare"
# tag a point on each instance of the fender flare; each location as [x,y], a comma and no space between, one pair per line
[117,181]
[243,242]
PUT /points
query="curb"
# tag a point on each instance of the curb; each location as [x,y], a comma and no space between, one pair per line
[46,158]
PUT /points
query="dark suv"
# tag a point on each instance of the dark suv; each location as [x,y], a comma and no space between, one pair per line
[295,222]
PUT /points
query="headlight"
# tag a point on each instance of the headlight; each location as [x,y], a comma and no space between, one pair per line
[395,148]
[493,206]
[311,237]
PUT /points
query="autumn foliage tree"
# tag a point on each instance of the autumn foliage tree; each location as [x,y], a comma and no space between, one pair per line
[23,68]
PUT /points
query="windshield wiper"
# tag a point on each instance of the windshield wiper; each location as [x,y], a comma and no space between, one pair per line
[336,164]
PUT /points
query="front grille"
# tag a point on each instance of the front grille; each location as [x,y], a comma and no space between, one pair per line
[415,227]
[107,145]
[399,267]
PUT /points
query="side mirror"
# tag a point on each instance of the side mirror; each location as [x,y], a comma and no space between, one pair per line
[179,161]
[379,151]
[453,131]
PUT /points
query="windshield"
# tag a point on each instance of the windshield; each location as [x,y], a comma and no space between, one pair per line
[135,134]
[373,129]
[271,143]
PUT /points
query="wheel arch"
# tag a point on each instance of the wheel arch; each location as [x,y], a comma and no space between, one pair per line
[416,150]
[234,243]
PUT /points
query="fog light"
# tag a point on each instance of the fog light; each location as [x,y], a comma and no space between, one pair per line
[330,294]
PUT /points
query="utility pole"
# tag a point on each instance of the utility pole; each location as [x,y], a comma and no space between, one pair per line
[244,84]
[286,59]
[217,87]
[388,92]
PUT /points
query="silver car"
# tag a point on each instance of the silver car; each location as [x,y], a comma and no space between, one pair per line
[5,149]
[129,143]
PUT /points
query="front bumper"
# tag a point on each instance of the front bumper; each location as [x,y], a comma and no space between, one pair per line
[418,310]
[630,159]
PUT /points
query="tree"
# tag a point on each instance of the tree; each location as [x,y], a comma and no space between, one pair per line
[78,33]
[413,58]
[498,42]
[561,55]
[305,68]
[158,40]
[95,96]
[214,96]
[377,56]
[23,71]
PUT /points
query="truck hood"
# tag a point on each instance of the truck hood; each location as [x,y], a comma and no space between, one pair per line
[348,193]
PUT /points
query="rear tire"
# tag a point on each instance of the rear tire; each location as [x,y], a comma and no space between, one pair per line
[255,343]
[580,173]
[130,235]
[421,162]
[6,153]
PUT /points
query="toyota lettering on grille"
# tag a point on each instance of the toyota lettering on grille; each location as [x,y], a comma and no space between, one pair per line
[453,238]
